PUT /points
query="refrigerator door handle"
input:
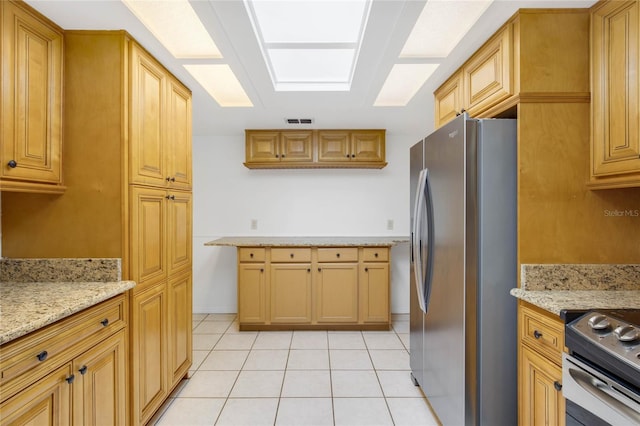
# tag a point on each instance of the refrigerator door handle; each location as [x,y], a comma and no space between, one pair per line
[428,204]
[416,242]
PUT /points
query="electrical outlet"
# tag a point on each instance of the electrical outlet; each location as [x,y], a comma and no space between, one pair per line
[254,223]
[390,224]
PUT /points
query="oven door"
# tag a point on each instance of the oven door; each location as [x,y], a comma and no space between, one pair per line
[599,394]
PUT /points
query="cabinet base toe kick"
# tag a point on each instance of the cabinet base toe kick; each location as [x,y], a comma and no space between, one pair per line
[336,327]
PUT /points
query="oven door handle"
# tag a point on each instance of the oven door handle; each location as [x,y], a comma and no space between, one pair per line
[605,393]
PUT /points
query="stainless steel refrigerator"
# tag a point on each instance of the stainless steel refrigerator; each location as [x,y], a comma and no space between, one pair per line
[463,262]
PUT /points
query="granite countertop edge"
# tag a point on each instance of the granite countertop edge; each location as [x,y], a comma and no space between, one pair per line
[308,241]
[28,306]
[554,301]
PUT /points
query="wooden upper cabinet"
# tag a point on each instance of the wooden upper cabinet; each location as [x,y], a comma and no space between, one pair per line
[487,75]
[315,148]
[160,149]
[448,100]
[31,113]
[275,146]
[178,135]
[615,107]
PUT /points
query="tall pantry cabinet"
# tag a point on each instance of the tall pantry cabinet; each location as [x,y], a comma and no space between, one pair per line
[127,170]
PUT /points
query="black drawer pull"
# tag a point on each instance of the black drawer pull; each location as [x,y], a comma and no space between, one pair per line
[375,255]
[251,255]
[71,378]
[42,355]
[291,255]
[557,385]
[537,334]
[83,370]
[105,322]
[337,254]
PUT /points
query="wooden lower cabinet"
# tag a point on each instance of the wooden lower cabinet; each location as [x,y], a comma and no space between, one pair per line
[541,341]
[149,337]
[374,292]
[291,293]
[336,295]
[251,293]
[81,380]
[100,390]
[542,402]
[313,288]
[47,402]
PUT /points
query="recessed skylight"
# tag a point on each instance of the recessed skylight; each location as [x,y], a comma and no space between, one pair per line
[310,45]
[440,27]
[220,82]
[402,83]
[177,26]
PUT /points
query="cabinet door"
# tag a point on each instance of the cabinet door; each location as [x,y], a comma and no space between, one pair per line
[147,151]
[148,235]
[296,146]
[100,389]
[290,293]
[367,146]
[540,383]
[374,292]
[336,292]
[31,110]
[180,325]
[262,146]
[148,352]
[47,402]
[179,231]
[488,74]
[448,100]
[615,44]
[333,146]
[178,135]
[251,293]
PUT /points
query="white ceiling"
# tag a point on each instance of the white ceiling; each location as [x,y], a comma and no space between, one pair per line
[389,24]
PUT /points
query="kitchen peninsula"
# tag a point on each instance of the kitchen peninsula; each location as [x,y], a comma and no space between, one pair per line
[337,283]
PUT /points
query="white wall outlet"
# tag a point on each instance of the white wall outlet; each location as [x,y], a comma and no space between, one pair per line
[390,224]
[254,223]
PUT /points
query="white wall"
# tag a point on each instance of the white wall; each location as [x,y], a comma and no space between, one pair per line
[322,202]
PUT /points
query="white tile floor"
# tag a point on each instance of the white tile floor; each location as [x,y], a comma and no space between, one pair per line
[296,378]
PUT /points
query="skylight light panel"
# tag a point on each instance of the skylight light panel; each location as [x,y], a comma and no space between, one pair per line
[309,45]
[402,83]
[177,26]
[220,82]
[440,27]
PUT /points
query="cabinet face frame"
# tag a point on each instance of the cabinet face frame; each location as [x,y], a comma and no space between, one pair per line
[31,101]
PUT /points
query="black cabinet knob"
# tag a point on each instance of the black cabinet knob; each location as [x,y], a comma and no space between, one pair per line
[170,197]
[42,355]
[537,334]
[277,156]
[12,164]
[173,179]
[366,269]
[337,254]
[375,255]
[261,270]
[251,255]
[319,269]
[71,378]
[105,322]
[291,255]
[353,156]
[83,370]
[168,178]
[347,155]
[557,385]
[308,269]
[282,155]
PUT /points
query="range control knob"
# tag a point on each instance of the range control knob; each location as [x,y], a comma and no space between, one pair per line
[599,322]
[626,333]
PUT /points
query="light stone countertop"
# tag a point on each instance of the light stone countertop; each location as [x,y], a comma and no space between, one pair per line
[307,241]
[554,287]
[26,307]
[556,300]
[38,292]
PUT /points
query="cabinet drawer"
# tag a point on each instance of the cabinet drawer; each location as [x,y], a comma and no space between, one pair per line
[24,360]
[338,254]
[542,333]
[375,254]
[251,254]
[290,255]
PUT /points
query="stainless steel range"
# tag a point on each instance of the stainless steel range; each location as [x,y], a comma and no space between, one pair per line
[601,373]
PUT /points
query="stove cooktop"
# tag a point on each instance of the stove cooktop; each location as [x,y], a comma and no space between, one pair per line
[609,339]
